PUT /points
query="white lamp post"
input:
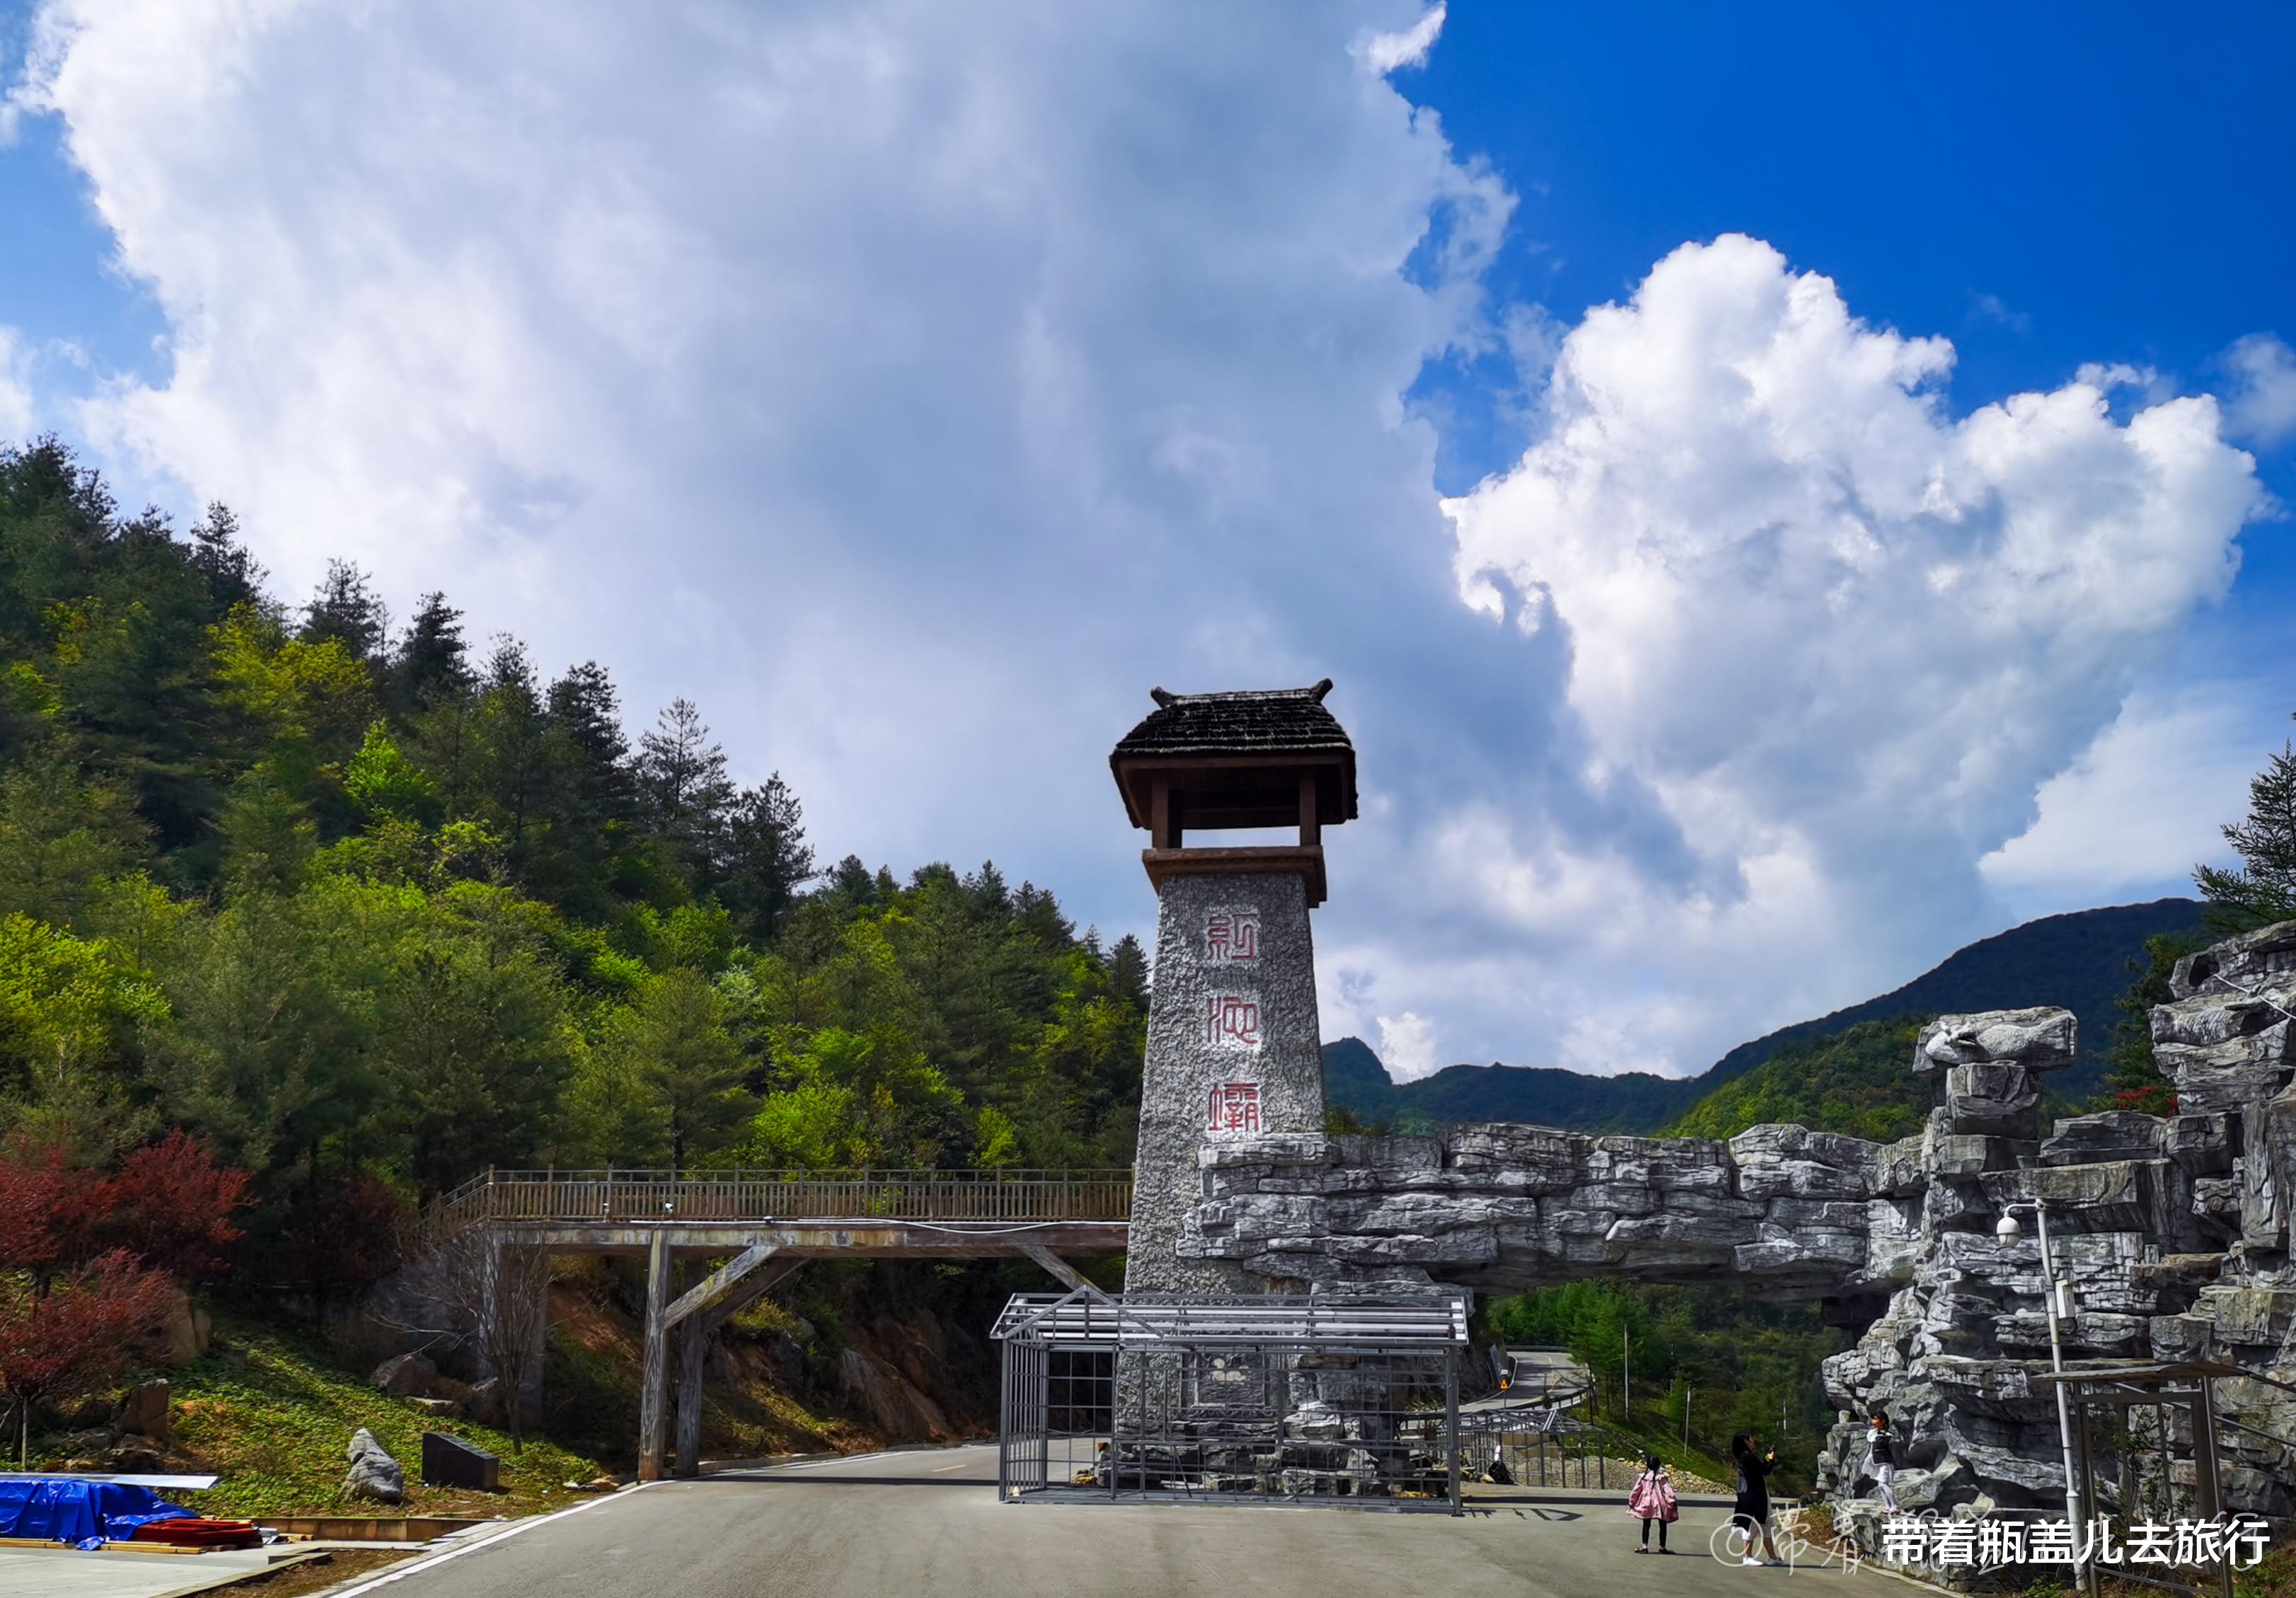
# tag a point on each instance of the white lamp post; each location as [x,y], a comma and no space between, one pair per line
[2057,1304]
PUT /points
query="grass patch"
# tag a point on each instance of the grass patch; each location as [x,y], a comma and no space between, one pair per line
[269,1410]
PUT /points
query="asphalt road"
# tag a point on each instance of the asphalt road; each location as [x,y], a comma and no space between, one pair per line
[927,1524]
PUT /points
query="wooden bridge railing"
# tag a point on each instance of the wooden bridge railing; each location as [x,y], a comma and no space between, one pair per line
[636,1197]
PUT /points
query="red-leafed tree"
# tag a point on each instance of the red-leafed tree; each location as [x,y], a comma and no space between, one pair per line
[44,1207]
[76,1334]
[169,1204]
[89,1259]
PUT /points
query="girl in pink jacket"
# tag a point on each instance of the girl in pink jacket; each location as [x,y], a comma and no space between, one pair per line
[1652,1499]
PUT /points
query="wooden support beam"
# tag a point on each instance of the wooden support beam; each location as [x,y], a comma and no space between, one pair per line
[718,1283]
[1059,1269]
[1311,818]
[653,1373]
[1163,820]
[749,1292]
[693,1349]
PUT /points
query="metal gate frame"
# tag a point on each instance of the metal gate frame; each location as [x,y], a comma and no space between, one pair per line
[1325,1399]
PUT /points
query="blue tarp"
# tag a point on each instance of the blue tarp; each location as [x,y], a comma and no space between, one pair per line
[73,1512]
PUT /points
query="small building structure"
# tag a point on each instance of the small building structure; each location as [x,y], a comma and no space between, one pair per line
[1345,1400]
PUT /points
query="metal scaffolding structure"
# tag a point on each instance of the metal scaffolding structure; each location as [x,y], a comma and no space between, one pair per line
[2151,1415]
[1244,1398]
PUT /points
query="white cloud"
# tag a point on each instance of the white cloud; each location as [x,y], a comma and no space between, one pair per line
[2143,804]
[1385,53]
[1407,1046]
[1842,638]
[914,387]
[2262,408]
[1992,307]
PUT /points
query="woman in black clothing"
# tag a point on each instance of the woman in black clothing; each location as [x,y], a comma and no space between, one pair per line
[1753,1512]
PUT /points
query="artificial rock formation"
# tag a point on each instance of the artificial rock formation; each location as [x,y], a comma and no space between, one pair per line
[2174,1231]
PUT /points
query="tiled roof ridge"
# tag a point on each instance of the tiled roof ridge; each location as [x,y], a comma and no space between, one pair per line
[1313,693]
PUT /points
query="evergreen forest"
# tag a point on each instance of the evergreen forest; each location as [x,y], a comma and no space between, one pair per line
[365,907]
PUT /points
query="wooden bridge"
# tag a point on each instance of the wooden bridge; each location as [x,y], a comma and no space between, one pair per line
[765,1224]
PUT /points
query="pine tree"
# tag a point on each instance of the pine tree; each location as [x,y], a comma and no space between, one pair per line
[677,1039]
[431,662]
[2263,889]
[346,606]
[689,798]
[1128,964]
[234,576]
[509,734]
[768,860]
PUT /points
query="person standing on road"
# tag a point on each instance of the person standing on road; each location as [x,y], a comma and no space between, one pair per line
[1752,1511]
[1881,1453]
[1652,1499]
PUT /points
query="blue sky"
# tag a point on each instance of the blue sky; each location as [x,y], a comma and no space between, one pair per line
[1746,468]
[2046,185]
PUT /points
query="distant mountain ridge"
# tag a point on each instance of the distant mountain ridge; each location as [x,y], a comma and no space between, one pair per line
[2078,960]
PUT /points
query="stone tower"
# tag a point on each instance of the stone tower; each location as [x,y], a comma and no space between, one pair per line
[1234,1051]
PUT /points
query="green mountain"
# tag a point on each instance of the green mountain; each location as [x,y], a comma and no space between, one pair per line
[1854,1081]
[2078,960]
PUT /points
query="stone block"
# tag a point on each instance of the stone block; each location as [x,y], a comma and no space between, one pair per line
[2217,1199]
[1389,1154]
[1992,1100]
[1971,1155]
[1717,1207]
[405,1376]
[2249,959]
[2263,1193]
[2042,1038]
[1817,1214]
[2225,1051]
[2249,1317]
[1818,1256]
[1894,1242]
[181,1336]
[1543,1160]
[2180,1337]
[447,1460]
[2109,1135]
[1623,1197]
[1955,1205]
[1709,1233]
[2113,1195]
[2174,1274]
[2202,1144]
[1780,1161]
[1901,1168]
[373,1473]
[144,1412]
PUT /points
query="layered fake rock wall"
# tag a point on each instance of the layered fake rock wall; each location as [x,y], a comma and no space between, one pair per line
[2175,1231]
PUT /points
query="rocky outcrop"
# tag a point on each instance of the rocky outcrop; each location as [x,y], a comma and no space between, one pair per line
[404,1376]
[142,1412]
[373,1473]
[2173,1230]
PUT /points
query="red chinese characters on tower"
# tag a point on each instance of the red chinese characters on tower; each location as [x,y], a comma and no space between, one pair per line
[1231,936]
[1232,1021]
[1234,1107]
